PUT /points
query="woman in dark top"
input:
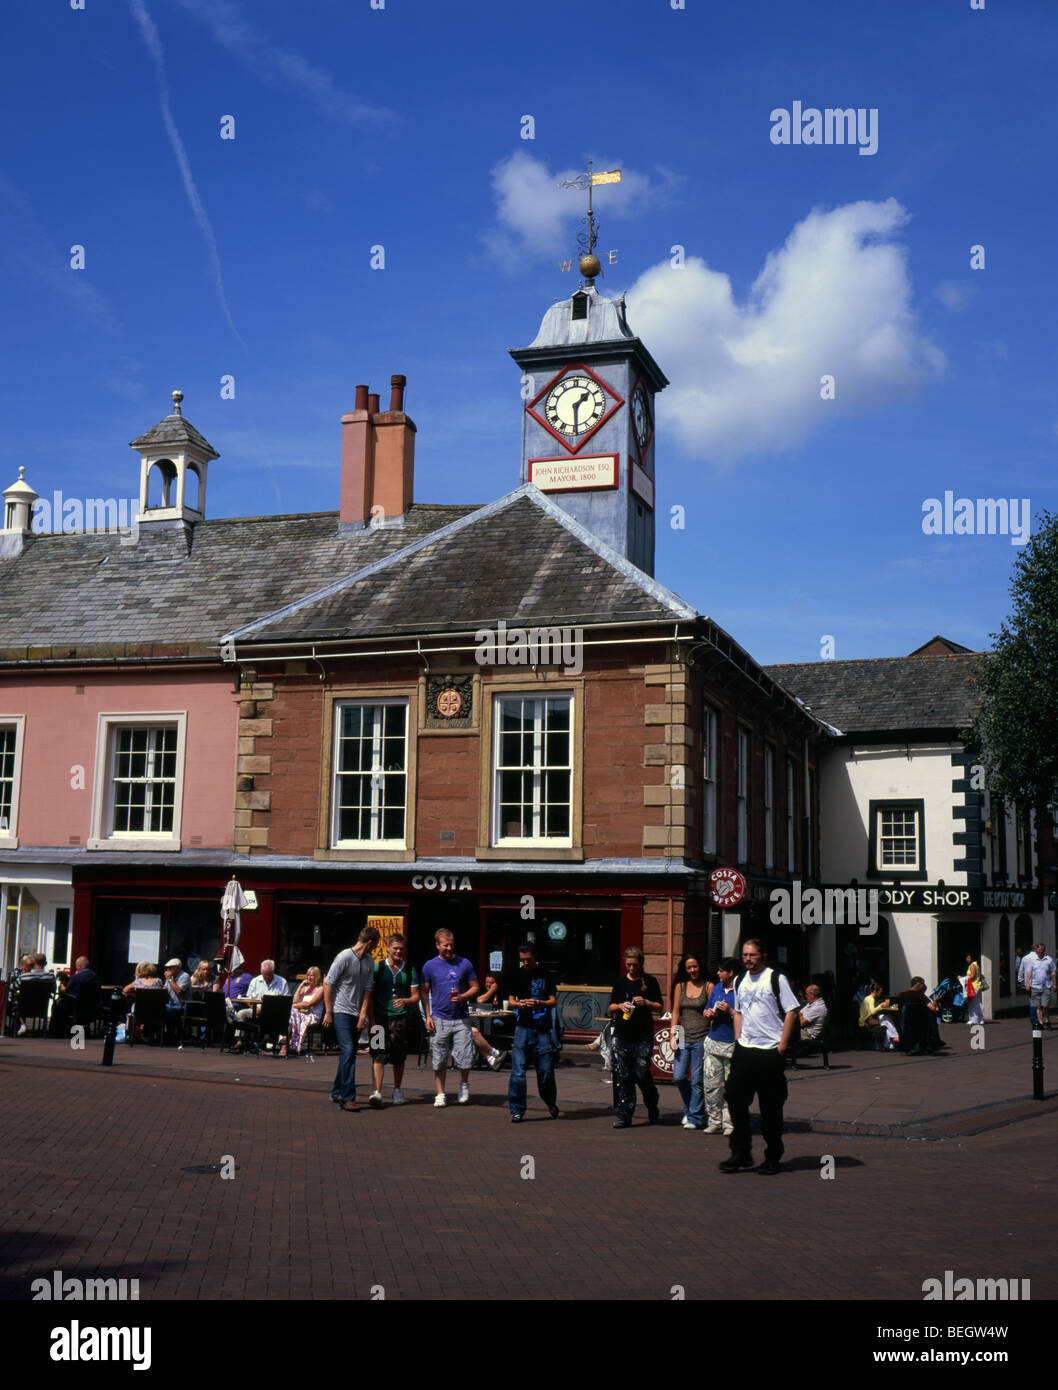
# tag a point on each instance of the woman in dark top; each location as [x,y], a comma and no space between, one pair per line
[687,1037]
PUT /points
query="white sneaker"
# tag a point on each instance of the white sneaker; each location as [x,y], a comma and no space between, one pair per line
[439,1102]
[21,1032]
[398,1096]
[375,1100]
[685,1123]
[464,1093]
[494,1060]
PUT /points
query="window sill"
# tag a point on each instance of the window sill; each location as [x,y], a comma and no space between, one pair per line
[139,844]
[365,854]
[8,842]
[514,850]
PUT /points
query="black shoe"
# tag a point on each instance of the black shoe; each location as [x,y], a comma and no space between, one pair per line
[735,1162]
[554,1112]
[769,1167]
[653,1117]
[516,1119]
[621,1124]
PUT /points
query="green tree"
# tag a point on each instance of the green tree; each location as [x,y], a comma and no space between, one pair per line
[1015,732]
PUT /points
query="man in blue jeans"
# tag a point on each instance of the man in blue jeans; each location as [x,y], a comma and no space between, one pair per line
[347,990]
[532,993]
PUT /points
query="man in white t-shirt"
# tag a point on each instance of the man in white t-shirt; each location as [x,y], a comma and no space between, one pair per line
[765,1017]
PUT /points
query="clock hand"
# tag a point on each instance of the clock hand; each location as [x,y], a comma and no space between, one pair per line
[585,396]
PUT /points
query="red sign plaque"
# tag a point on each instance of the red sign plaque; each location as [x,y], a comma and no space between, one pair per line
[728,887]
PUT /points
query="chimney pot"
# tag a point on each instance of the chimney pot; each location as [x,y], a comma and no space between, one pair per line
[361,398]
[396,392]
[372,403]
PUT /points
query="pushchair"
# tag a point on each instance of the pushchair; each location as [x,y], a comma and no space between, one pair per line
[950,1000]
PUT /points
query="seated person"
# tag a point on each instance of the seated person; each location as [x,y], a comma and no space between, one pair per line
[918,1030]
[39,968]
[878,1027]
[64,1010]
[202,976]
[147,977]
[177,987]
[268,982]
[811,1019]
[488,1000]
[233,986]
[37,971]
[306,1010]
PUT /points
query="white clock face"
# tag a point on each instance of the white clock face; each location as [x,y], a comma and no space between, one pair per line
[575,405]
[641,416]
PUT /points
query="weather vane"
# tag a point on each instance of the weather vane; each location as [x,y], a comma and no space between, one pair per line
[590,265]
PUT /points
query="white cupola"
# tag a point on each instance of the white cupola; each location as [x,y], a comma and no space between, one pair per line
[18,516]
[174,459]
[18,504]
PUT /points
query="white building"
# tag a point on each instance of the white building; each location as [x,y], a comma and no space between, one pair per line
[902,809]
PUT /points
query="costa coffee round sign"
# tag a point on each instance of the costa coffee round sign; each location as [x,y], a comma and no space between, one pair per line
[728,887]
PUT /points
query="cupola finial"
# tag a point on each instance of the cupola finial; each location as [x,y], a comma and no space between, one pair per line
[178,396]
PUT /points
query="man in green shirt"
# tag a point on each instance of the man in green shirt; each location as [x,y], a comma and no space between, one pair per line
[396,990]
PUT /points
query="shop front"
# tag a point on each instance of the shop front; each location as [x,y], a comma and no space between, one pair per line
[579,925]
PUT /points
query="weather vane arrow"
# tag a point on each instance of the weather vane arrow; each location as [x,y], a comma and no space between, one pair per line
[587,240]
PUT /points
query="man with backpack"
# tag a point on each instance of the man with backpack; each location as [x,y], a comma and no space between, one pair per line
[766,1011]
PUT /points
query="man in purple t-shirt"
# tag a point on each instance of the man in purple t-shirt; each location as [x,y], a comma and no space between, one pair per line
[448,983]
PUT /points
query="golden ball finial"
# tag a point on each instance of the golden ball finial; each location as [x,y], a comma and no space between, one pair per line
[590,266]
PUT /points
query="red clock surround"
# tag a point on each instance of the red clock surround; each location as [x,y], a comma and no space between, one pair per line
[575,369]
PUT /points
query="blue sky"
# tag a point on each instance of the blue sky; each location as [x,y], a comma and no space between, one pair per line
[402,127]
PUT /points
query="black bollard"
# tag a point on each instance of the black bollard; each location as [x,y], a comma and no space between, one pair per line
[110,1034]
[1037,1061]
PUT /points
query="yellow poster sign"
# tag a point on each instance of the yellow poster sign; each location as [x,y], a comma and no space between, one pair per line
[386,928]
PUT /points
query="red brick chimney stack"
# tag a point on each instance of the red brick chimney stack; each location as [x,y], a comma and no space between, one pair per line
[378,458]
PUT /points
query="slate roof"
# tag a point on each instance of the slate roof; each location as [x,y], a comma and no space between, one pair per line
[87,588]
[174,429]
[521,558]
[886,695]
[448,568]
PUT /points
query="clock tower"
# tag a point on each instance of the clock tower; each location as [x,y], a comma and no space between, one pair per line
[588,389]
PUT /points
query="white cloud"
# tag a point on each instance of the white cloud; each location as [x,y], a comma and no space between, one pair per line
[272,63]
[538,219]
[835,299]
[953,295]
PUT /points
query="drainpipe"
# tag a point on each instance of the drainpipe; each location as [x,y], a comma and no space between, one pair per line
[668,959]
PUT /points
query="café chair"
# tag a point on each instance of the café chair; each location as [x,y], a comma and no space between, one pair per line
[148,1012]
[206,1019]
[34,1003]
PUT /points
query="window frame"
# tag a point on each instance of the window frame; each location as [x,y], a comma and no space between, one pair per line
[769,806]
[497,840]
[791,814]
[16,722]
[743,773]
[710,778]
[371,702]
[894,871]
[502,685]
[104,836]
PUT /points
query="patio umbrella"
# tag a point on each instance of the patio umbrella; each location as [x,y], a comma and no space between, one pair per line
[231,906]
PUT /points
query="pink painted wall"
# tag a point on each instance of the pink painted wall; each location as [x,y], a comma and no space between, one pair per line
[61,732]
